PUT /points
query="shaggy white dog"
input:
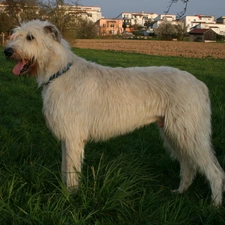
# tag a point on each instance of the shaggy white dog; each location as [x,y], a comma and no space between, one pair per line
[85,101]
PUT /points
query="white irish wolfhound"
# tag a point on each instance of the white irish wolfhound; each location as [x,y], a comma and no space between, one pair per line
[84,101]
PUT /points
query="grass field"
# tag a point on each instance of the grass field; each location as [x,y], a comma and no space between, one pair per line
[126,180]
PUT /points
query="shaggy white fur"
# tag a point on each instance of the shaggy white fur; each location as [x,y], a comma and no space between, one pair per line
[92,102]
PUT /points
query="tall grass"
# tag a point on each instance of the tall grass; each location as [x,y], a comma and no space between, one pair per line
[126,180]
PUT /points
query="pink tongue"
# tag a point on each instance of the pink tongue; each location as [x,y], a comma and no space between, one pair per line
[18,67]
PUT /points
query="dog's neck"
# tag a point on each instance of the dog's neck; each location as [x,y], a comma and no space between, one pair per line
[57,74]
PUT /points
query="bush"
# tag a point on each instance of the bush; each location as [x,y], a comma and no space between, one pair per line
[167,31]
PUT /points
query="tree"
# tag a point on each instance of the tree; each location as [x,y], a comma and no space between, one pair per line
[17,11]
[6,24]
[22,10]
[68,19]
[166,31]
[124,25]
[30,10]
[56,12]
[85,29]
[180,14]
[13,10]
[148,22]
[179,32]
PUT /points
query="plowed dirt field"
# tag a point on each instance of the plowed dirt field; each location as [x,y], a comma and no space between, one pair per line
[164,48]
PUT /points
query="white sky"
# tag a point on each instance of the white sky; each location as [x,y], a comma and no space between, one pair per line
[112,8]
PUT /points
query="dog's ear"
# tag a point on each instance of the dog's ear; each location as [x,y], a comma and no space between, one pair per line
[50,29]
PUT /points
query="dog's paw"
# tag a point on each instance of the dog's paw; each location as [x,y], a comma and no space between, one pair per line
[177,191]
[72,189]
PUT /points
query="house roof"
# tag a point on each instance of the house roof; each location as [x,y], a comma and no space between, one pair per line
[110,19]
[198,31]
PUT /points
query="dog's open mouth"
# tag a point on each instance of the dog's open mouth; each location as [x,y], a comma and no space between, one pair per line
[22,66]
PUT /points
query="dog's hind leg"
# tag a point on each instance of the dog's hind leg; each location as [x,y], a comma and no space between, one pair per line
[187,167]
[72,157]
[187,174]
[193,150]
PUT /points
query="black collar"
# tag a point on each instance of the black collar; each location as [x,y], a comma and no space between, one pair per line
[59,73]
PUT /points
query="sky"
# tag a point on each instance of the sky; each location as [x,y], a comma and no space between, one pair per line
[113,8]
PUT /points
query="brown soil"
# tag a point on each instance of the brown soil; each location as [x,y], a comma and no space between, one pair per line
[165,48]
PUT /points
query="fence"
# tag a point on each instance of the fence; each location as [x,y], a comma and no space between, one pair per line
[2,39]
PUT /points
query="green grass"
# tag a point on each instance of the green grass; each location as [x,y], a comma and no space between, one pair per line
[126,180]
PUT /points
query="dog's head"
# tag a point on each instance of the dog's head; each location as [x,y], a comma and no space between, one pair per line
[31,45]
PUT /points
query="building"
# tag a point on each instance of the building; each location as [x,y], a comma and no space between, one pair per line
[164,18]
[203,35]
[221,20]
[216,27]
[110,26]
[141,19]
[92,13]
[189,22]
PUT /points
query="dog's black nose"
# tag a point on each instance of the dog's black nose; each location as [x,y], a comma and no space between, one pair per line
[8,52]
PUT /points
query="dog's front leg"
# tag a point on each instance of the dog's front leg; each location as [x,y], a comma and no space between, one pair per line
[72,157]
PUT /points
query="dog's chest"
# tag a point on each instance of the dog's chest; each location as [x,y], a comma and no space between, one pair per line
[54,111]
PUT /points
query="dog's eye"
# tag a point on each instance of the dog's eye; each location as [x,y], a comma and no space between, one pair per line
[30,37]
